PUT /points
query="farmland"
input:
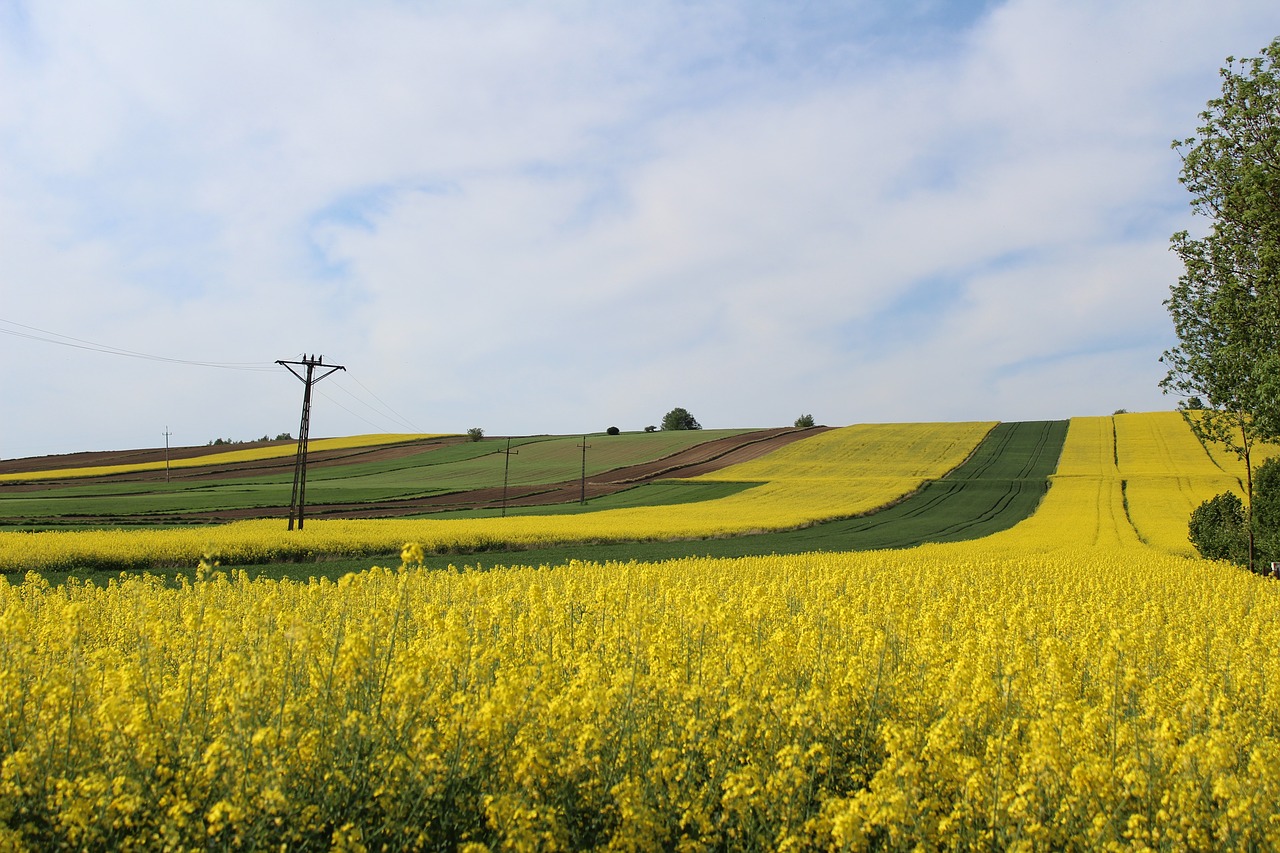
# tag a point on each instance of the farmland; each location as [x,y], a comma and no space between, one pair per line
[381,475]
[1072,681]
[836,473]
[998,485]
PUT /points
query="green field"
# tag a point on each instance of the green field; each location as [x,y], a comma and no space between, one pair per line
[440,467]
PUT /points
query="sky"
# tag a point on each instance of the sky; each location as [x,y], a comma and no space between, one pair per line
[557,217]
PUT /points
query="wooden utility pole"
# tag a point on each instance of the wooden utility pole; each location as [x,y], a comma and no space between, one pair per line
[166,453]
[506,468]
[299,499]
[584,447]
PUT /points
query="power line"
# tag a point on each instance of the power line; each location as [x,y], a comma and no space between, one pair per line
[356,415]
[387,406]
[34,333]
[385,412]
[49,337]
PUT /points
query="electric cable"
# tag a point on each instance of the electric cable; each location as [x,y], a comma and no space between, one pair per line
[79,343]
[385,412]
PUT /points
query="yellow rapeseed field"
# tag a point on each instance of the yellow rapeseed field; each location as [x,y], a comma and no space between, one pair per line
[1058,686]
[1231,462]
[1085,505]
[1076,699]
[1168,474]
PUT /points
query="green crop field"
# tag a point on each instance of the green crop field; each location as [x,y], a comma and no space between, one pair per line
[442,466]
[664,493]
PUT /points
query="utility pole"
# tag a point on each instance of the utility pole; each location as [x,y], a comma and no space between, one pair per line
[584,447]
[166,452]
[506,468]
[298,500]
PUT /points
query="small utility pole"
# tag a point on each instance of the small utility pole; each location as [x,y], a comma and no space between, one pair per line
[584,447]
[298,500]
[166,453]
[506,468]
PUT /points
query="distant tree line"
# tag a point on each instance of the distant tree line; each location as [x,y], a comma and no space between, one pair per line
[218,442]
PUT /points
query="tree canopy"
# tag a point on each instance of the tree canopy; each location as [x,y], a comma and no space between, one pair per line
[1226,304]
[679,418]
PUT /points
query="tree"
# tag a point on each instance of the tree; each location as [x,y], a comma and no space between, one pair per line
[1217,529]
[1266,513]
[679,418]
[475,433]
[613,431]
[804,421]
[1226,304]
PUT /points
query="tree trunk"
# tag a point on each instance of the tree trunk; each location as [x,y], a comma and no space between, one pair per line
[1248,479]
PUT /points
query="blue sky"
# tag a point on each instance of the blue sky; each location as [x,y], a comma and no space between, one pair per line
[558,217]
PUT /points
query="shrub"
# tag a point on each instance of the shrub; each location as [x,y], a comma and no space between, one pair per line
[1218,529]
[804,421]
[475,433]
[613,431]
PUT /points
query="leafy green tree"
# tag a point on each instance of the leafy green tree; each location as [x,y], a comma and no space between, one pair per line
[1217,529]
[1266,513]
[475,433]
[804,421]
[1226,304]
[679,418]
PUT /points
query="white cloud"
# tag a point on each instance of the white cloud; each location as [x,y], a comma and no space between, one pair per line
[538,220]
